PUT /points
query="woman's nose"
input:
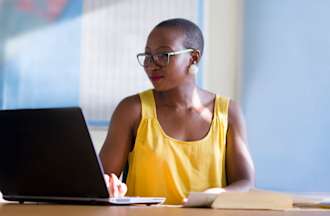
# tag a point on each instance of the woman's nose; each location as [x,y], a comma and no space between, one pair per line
[151,66]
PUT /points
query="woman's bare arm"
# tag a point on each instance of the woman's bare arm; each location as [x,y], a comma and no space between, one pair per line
[121,135]
[239,165]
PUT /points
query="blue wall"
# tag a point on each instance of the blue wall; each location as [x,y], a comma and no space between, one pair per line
[286,92]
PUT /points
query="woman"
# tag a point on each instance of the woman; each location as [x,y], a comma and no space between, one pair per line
[176,137]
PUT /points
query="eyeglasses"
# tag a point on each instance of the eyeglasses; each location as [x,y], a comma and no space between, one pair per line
[160,59]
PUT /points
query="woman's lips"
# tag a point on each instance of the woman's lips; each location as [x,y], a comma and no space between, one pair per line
[156,78]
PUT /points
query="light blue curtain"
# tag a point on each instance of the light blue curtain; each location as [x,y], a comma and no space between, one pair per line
[39,53]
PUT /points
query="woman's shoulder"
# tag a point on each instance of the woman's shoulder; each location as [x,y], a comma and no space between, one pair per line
[129,108]
[227,105]
[212,96]
[222,102]
[130,102]
[235,114]
[207,98]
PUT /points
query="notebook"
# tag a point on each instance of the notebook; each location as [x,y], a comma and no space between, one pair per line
[47,155]
[258,199]
[254,199]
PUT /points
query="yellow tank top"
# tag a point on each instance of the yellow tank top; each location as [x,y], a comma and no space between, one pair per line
[160,165]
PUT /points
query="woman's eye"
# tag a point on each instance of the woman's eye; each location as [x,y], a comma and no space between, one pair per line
[162,55]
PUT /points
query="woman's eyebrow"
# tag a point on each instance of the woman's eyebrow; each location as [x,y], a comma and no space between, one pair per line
[166,47]
[160,47]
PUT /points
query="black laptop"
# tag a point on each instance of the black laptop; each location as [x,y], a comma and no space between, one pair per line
[46,155]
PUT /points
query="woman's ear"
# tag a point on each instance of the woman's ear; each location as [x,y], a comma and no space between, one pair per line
[195,56]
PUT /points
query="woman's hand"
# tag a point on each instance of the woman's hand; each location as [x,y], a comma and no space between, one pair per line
[215,190]
[115,187]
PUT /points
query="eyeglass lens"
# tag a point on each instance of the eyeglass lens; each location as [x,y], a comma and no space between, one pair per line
[159,59]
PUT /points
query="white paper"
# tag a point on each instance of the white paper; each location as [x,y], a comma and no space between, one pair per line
[200,199]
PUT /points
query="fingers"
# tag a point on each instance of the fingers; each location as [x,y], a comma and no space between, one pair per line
[122,189]
[107,179]
[113,185]
[116,187]
[215,190]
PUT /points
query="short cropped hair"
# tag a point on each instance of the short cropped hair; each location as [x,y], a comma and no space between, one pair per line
[194,36]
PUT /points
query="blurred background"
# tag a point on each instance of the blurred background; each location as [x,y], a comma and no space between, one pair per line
[273,56]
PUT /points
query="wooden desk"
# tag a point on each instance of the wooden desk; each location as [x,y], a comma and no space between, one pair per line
[9,209]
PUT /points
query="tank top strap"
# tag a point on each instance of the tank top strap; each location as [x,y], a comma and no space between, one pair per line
[147,103]
[221,107]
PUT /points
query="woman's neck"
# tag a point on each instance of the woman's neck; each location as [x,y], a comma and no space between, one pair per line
[182,97]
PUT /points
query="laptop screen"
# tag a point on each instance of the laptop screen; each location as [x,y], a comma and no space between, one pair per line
[49,153]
